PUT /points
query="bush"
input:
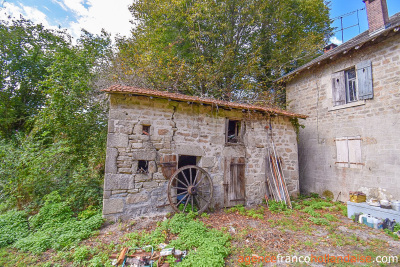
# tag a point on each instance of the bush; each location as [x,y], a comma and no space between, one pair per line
[13,226]
[55,227]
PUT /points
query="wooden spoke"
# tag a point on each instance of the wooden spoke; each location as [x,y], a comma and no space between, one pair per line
[184,209]
[176,187]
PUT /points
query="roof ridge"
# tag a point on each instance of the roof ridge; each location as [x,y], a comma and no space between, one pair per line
[182,97]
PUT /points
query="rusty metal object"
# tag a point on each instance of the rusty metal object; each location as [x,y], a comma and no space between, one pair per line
[190,184]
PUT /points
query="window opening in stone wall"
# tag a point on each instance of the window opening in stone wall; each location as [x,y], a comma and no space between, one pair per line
[351,87]
[143,166]
[146,130]
[233,131]
[353,84]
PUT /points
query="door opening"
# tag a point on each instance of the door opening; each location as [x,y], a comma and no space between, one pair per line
[185,178]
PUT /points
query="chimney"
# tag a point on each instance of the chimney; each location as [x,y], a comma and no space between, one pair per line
[329,48]
[377,13]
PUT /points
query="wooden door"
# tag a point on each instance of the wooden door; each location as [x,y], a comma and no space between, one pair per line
[234,182]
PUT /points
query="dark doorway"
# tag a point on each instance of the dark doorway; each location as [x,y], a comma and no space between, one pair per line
[185,176]
[186,160]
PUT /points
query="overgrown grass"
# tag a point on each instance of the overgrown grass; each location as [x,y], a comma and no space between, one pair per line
[54,226]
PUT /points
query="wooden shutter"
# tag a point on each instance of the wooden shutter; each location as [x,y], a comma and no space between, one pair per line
[342,152]
[354,145]
[234,182]
[364,77]
[338,88]
[168,165]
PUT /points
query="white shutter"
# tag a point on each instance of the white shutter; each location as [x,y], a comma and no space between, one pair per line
[342,152]
[354,144]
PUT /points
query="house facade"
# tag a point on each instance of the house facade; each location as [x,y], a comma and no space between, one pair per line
[151,134]
[351,139]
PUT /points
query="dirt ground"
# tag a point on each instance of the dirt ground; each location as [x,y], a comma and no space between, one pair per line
[279,235]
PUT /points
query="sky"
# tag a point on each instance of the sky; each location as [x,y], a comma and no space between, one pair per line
[114,16]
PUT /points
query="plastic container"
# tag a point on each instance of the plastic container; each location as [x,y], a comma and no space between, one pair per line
[396,205]
[377,223]
[360,218]
[370,221]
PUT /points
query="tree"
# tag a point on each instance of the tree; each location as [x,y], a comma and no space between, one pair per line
[53,117]
[26,50]
[230,49]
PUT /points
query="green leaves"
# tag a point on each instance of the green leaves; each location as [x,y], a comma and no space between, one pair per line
[230,49]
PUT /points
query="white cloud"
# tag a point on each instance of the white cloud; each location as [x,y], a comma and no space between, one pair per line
[101,14]
[91,15]
[15,11]
[335,40]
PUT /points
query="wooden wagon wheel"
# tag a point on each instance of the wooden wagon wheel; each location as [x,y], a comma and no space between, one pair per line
[190,188]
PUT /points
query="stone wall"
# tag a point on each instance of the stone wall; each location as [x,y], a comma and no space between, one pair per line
[181,128]
[376,120]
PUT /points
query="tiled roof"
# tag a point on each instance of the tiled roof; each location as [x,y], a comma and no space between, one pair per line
[209,101]
[356,43]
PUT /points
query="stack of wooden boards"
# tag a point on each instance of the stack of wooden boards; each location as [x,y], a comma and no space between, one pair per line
[276,185]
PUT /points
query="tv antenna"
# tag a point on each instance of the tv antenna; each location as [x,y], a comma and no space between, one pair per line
[346,15]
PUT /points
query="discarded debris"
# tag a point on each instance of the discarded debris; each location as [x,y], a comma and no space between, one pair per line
[167,252]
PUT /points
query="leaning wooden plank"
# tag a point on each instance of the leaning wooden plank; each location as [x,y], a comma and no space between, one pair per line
[289,203]
[122,256]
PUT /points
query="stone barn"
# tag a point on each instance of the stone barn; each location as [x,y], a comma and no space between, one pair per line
[152,134]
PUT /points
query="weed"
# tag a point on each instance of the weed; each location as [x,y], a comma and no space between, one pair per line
[311,211]
[80,255]
[55,227]
[13,225]
[276,206]
[319,221]
[331,217]
[205,215]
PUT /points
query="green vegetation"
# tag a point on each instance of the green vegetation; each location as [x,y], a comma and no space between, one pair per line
[206,247]
[276,206]
[254,213]
[54,226]
[226,49]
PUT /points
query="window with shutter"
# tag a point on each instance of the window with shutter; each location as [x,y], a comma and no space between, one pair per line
[348,152]
[352,84]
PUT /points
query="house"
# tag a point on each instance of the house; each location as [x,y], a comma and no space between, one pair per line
[152,134]
[351,93]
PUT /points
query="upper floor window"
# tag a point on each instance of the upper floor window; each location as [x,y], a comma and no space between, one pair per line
[234,131]
[352,84]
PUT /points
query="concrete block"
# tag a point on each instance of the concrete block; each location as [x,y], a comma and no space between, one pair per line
[113,205]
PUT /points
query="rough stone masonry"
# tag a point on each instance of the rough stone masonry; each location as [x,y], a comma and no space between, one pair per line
[190,129]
